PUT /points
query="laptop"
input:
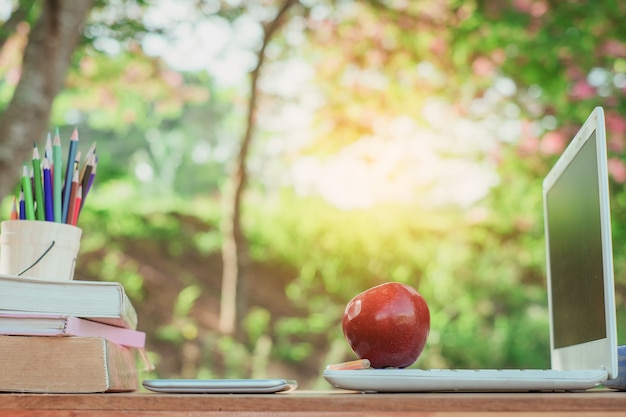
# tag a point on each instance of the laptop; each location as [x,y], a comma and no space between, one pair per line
[581,300]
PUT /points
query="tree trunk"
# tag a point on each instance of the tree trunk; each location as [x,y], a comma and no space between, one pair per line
[235,256]
[46,60]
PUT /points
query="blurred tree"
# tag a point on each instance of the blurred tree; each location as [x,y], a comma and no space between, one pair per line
[235,256]
[46,60]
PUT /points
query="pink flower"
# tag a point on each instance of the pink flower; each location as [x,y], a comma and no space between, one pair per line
[614,48]
[529,145]
[553,143]
[615,122]
[616,142]
[617,169]
[482,67]
[582,90]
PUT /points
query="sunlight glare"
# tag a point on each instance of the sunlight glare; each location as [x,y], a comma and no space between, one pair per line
[6,9]
[442,163]
[210,44]
[403,164]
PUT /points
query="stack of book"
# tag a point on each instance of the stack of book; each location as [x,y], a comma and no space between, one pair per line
[67,336]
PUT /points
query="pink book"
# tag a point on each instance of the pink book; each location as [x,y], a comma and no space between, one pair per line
[28,324]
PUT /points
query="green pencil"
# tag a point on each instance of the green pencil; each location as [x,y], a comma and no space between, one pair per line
[41,212]
[28,193]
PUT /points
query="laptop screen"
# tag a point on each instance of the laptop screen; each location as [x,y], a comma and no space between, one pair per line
[577,216]
[575,244]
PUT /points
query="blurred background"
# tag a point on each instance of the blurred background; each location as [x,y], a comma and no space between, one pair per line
[261,162]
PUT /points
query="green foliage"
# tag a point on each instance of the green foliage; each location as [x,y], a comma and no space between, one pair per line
[186,299]
[257,323]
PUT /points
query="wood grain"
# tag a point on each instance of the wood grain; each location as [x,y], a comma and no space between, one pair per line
[315,403]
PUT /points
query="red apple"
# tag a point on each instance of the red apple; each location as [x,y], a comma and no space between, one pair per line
[387,324]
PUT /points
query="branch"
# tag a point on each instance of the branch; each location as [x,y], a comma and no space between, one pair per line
[234,250]
[269,32]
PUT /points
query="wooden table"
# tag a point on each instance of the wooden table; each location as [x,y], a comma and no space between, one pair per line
[314,404]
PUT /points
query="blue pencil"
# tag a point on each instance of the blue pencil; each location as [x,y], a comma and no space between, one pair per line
[69,174]
[47,191]
[22,204]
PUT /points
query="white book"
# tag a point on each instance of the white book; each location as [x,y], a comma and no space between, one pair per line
[105,302]
[40,324]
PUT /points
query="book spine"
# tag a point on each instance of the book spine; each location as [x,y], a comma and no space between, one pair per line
[42,364]
[71,298]
[121,367]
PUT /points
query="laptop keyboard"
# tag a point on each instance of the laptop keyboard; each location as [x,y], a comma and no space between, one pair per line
[414,380]
[489,373]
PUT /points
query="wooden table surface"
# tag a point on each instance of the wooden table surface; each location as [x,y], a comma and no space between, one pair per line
[314,403]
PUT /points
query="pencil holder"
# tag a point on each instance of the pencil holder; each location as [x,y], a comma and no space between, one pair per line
[39,249]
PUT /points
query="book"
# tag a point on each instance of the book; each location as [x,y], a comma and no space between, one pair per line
[28,324]
[105,302]
[45,364]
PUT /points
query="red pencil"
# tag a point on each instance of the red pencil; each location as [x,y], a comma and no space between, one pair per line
[72,199]
[77,202]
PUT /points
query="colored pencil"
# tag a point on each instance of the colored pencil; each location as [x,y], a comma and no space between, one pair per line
[88,157]
[86,173]
[73,191]
[77,204]
[14,214]
[67,189]
[22,206]
[44,193]
[47,188]
[28,194]
[47,152]
[41,214]
[92,176]
[77,161]
[57,188]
